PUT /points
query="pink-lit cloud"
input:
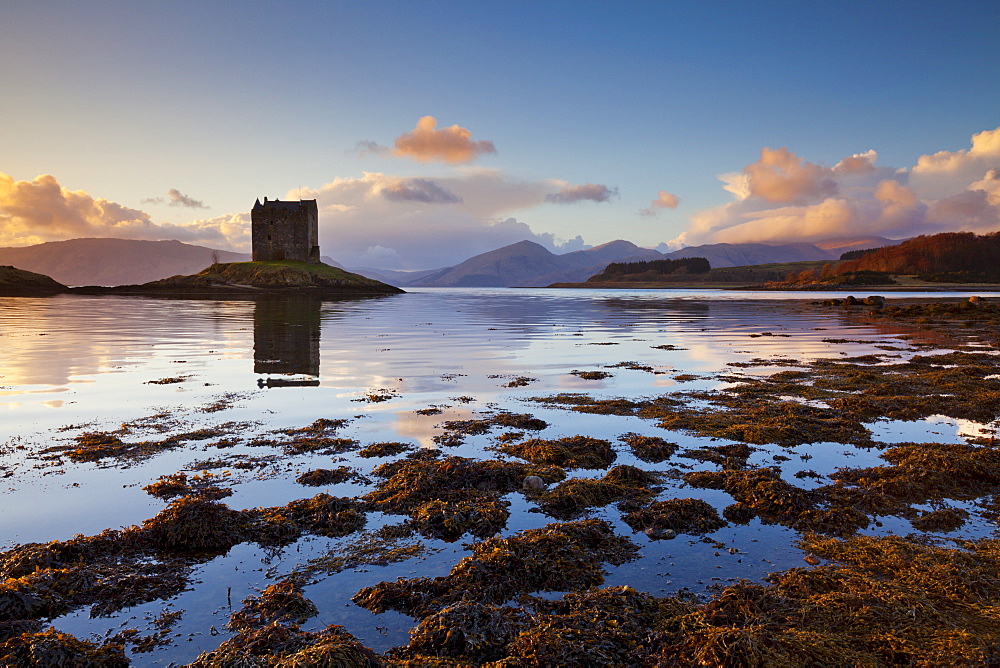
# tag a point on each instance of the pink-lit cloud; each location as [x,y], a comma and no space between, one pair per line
[452,145]
[42,210]
[363,221]
[781,177]
[782,198]
[664,200]
[594,192]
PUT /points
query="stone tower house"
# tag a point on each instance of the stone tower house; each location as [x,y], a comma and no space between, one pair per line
[285,230]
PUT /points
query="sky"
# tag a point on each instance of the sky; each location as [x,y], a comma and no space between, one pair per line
[432,131]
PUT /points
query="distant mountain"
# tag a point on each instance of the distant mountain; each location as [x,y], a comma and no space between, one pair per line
[393,276]
[840,246]
[529,264]
[114,261]
[740,255]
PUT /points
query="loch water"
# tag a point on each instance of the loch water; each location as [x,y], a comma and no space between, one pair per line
[71,364]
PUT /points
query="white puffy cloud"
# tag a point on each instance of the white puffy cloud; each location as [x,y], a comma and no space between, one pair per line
[947,172]
[782,198]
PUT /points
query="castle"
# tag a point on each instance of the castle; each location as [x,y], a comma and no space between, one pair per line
[285,231]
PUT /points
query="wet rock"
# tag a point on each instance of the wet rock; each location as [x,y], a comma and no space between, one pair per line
[533,483]
[657,533]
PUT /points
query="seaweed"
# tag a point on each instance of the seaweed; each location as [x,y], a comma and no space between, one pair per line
[556,557]
[385,449]
[179,484]
[321,477]
[471,630]
[569,452]
[690,516]
[280,643]
[592,375]
[409,483]
[652,449]
[481,514]
[194,524]
[627,484]
[52,648]
[281,602]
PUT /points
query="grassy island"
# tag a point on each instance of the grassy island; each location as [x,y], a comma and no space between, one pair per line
[256,277]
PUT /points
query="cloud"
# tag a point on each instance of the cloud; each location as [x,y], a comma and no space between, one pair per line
[782,198]
[664,200]
[594,192]
[780,176]
[453,145]
[368,147]
[400,223]
[944,173]
[177,198]
[418,190]
[42,210]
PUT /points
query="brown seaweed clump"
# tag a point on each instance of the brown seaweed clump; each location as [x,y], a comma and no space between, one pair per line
[481,514]
[652,449]
[582,403]
[825,510]
[280,602]
[690,516]
[876,601]
[52,648]
[193,524]
[787,423]
[93,446]
[556,557]
[321,477]
[268,634]
[179,484]
[323,515]
[940,519]
[626,484]
[409,483]
[919,472]
[384,449]
[569,452]
[613,626]
[467,630]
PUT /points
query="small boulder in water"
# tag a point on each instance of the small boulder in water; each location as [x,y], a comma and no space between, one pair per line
[660,534]
[533,483]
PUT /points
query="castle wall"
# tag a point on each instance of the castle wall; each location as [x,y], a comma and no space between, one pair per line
[285,231]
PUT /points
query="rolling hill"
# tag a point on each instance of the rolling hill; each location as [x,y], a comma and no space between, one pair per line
[113,261]
[528,264]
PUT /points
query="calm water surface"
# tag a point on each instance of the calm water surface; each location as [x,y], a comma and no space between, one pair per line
[72,364]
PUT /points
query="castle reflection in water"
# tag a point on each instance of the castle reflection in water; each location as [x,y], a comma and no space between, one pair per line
[286,335]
